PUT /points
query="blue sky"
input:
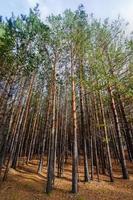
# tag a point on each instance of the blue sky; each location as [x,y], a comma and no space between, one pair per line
[101,8]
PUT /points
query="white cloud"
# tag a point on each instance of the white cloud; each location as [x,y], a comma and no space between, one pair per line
[126,12]
[44,9]
[32,3]
[122,7]
[47,7]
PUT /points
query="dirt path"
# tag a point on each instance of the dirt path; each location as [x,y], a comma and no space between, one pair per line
[25,184]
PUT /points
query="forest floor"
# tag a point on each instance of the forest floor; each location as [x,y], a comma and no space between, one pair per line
[25,184]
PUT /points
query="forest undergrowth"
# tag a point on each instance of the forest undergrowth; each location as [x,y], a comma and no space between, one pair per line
[25,184]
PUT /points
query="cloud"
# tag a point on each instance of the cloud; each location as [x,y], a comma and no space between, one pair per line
[32,3]
[47,7]
[127,11]
[111,8]
[44,9]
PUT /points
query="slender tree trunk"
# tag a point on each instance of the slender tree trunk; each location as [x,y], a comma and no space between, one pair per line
[75,146]
[106,140]
[83,131]
[118,131]
[50,171]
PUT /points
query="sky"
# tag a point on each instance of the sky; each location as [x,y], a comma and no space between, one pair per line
[100,8]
